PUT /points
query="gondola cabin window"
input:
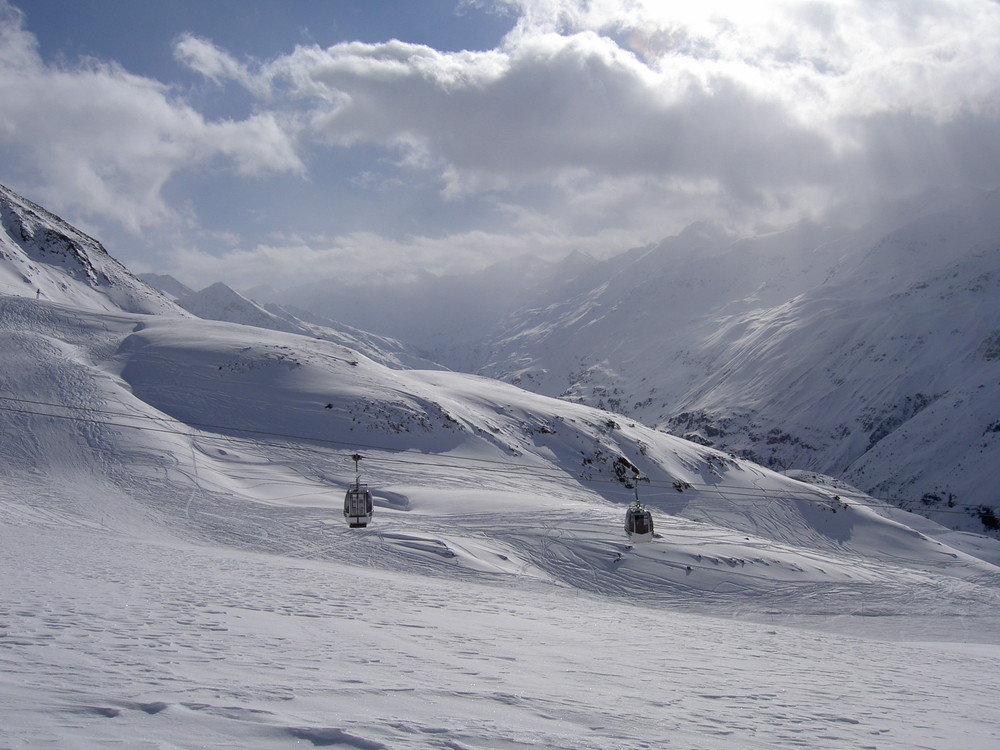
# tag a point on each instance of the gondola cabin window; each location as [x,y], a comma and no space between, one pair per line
[358,506]
[638,523]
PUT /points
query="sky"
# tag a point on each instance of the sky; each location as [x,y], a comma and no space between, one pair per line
[257,141]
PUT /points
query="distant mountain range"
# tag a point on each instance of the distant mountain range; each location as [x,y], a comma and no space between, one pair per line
[871,354]
[219,302]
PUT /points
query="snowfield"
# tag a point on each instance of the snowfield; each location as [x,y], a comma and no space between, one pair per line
[176,572]
[117,639]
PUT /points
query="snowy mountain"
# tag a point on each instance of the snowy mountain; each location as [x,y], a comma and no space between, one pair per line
[176,571]
[870,354]
[219,302]
[167,284]
[43,256]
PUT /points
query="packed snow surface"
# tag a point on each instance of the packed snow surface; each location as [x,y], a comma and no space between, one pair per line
[175,570]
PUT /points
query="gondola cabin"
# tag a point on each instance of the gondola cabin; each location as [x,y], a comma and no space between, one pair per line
[358,507]
[638,523]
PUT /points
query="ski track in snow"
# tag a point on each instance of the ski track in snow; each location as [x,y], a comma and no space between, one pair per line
[227,649]
[285,627]
[179,587]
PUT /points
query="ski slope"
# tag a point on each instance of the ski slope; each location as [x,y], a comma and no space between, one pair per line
[176,571]
[121,640]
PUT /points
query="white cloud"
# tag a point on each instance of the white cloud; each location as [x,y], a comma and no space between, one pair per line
[595,121]
[103,142]
[763,101]
[203,57]
[848,56]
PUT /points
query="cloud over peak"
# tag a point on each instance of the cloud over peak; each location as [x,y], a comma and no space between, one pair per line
[610,118]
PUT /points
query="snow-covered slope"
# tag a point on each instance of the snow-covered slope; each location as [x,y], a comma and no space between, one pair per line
[175,570]
[219,302]
[175,566]
[275,418]
[167,284]
[886,375]
[43,256]
[870,355]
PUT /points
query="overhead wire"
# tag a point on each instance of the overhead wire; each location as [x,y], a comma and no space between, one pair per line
[169,425]
[354,445]
[501,466]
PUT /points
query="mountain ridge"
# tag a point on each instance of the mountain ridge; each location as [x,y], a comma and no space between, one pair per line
[45,256]
[805,349]
[177,567]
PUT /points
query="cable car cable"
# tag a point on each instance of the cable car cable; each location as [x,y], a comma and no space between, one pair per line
[505,468]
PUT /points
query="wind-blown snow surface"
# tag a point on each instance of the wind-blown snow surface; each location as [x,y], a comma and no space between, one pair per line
[175,571]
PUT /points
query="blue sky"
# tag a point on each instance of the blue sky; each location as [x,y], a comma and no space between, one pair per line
[140,35]
[260,141]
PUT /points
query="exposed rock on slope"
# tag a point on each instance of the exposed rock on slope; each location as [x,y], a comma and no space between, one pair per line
[41,255]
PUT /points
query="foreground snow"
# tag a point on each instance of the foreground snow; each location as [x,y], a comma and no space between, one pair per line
[111,635]
[175,571]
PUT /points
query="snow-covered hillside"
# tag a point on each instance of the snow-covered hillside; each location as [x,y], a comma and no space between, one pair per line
[219,302]
[871,355]
[43,256]
[885,375]
[175,570]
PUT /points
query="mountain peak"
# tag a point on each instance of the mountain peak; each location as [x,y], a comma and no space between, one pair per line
[46,238]
[42,255]
[167,284]
[220,302]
